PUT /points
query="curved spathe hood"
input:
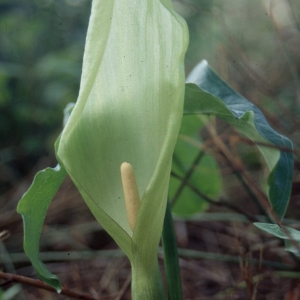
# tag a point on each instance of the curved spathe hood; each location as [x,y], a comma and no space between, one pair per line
[128,110]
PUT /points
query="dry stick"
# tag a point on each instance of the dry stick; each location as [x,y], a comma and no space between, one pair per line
[291,65]
[212,201]
[246,186]
[292,8]
[124,288]
[40,284]
[281,148]
[187,176]
[255,189]
[239,168]
[251,75]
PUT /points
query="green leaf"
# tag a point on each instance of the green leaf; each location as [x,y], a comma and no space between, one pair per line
[277,231]
[209,94]
[33,207]
[206,176]
[11,293]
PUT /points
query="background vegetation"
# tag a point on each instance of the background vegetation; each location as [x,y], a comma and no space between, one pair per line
[254,45]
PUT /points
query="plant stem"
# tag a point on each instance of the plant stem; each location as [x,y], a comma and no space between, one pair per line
[171,257]
[146,281]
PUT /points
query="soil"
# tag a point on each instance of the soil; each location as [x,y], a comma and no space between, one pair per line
[231,258]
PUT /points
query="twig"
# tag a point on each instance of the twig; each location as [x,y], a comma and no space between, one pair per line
[239,169]
[68,256]
[187,176]
[189,253]
[214,202]
[40,284]
[281,148]
[5,283]
[124,288]
[263,86]
[292,66]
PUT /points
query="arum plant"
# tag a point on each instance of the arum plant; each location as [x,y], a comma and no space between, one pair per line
[118,141]
[117,144]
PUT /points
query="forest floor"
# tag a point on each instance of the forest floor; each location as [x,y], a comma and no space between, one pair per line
[222,254]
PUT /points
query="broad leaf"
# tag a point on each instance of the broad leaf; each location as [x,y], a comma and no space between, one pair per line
[33,207]
[206,93]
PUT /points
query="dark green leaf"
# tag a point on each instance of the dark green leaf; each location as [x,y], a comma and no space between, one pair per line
[209,94]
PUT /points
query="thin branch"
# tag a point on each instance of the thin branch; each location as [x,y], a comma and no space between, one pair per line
[222,202]
[124,288]
[281,148]
[239,168]
[187,176]
[196,254]
[40,284]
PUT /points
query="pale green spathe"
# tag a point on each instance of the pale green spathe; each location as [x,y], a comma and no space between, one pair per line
[129,109]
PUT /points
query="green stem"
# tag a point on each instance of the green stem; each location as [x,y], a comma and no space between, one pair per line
[171,257]
[146,281]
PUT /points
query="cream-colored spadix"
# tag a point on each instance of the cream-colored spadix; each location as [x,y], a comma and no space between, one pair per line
[131,193]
